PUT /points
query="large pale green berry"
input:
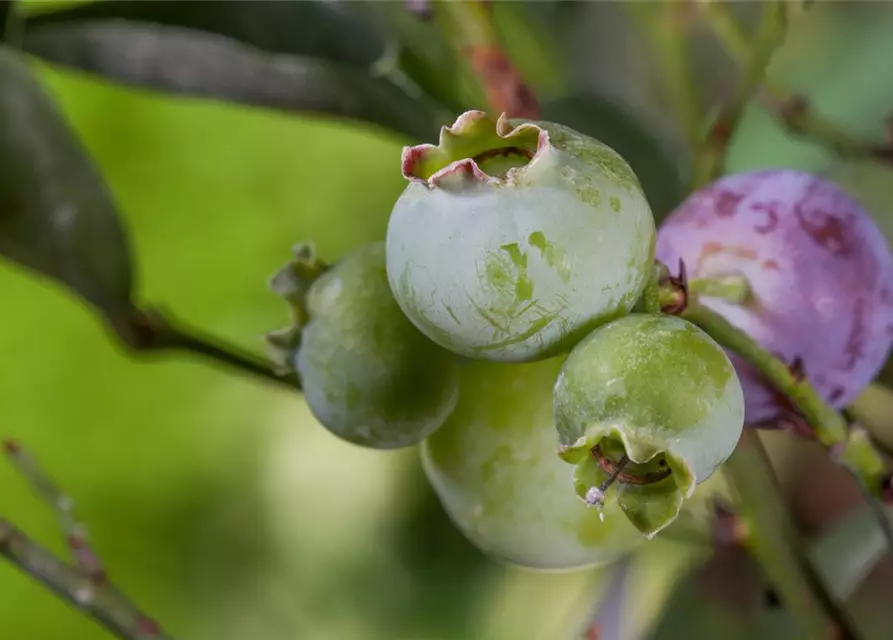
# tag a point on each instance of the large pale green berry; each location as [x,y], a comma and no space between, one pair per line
[368,375]
[494,467]
[515,239]
[654,403]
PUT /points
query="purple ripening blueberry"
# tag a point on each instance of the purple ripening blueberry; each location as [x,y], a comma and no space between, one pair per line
[820,272]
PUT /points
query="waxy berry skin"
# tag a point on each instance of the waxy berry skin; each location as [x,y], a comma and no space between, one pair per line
[819,269]
[368,375]
[514,239]
[493,466]
[657,392]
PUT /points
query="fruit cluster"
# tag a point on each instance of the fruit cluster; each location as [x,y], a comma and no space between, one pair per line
[505,326]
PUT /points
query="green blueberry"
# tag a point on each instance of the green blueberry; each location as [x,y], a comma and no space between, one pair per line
[368,375]
[494,467]
[646,407]
[514,239]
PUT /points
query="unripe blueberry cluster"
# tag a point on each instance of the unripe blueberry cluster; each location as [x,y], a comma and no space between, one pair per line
[502,326]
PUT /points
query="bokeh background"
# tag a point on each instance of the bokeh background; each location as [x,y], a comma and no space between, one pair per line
[215,500]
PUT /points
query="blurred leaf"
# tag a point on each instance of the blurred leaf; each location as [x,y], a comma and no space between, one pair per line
[201,64]
[723,598]
[316,29]
[427,55]
[5,12]
[423,53]
[530,32]
[605,121]
[847,550]
[835,54]
[56,215]
[555,16]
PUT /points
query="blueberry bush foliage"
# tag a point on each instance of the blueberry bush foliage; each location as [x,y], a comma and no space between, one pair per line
[630,306]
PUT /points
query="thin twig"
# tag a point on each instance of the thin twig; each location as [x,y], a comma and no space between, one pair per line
[794,111]
[83,584]
[148,331]
[469,28]
[773,541]
[668,32]
[710,162]
[606,620]
[849,446]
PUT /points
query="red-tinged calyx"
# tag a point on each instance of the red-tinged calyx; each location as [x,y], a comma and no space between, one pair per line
[477,148]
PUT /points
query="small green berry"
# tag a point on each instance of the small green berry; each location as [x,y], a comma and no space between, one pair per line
[647,407]
[368,375]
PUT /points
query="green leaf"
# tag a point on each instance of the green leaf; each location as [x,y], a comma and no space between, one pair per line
[723,598]
[5,14]
[317,29]
[834,54]
[56,215]
[847,551]
[201,64]
[605,121]
[423,53]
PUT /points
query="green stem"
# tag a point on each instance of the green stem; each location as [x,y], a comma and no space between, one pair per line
[773,541]
[150,332]
[793,111]
[651,297]
[710,163]
[734,289]
[830,427]
[666,27]
[852,448]
[468,26]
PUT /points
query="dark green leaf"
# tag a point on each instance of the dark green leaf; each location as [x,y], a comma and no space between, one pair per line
[315,29]
[723,598]
[557,17]
[5,12]
[207,65]
[423,53]
[56,215]
[606,122]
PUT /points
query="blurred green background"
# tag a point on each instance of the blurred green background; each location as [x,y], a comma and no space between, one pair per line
[215,500]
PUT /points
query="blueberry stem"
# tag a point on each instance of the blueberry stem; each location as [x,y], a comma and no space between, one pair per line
[149,332]
[829,425]
[651,296]
[852,448]
[773,541]
[734,289]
